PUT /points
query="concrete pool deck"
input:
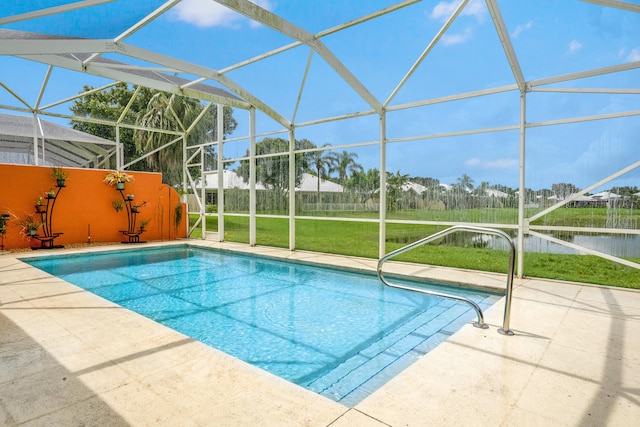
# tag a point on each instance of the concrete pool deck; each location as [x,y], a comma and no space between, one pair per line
[68,357]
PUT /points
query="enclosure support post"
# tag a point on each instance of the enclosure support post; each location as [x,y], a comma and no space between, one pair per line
[521,195]
[35,140]
[119,150]
[252,176]
[383,185]
[292,187]
[220,167]
[185,169]
[203,194]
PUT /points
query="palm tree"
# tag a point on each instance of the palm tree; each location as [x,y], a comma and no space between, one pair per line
[481,190]
[345,164]
[465,182]
[322,161]
[395,182]
[365,184]
[175,113]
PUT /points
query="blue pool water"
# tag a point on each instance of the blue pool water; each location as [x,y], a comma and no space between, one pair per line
[339,333]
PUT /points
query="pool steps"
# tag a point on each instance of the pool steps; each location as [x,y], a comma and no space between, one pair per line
[352,381]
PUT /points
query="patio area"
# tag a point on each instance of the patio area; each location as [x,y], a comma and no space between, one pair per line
[69,357]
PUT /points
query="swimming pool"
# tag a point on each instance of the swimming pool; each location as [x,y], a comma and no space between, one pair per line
[339,333]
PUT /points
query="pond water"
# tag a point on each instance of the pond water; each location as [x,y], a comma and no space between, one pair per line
[622,246]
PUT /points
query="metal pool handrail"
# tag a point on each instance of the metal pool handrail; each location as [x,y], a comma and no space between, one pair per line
[481,230]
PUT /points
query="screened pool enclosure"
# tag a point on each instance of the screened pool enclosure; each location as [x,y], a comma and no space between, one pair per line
[360,124]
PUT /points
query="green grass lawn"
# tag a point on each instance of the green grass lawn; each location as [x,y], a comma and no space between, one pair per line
[576,217]
[361,239]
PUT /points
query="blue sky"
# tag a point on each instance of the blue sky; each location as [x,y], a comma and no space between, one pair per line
[550,38]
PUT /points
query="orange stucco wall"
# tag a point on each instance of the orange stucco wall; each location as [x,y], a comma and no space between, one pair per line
[83,211]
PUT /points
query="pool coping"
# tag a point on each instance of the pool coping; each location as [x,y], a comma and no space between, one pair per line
[77,357]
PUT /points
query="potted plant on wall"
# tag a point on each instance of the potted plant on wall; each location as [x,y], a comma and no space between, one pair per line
[118,179]
[136,208]
[29,225]
[59,175]
[40,208]
[118,205]
[143,224]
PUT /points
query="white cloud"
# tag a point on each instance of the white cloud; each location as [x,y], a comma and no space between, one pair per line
[451,39]
[207,13]
[477,9]
[443,10]
[521,28]
[634,55]
[501,163]
[492,164]
[574,46]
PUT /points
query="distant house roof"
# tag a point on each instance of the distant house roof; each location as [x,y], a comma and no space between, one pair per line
[62,146]
[584,198]
[418,188]
[310,183]
[492,192]
[231,179]
[605,195]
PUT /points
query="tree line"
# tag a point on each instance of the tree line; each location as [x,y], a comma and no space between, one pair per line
[149,109]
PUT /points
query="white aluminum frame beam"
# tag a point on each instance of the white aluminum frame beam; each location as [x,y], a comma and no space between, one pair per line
[582,192]
[521,178]
[426,51]
[586,250]
[632,7]
[505,39]
[275,22]
[37,50]
[321,34]
[52,11]
[80,95]
[584,74]
[220,168]
[117,75]
[140,24]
